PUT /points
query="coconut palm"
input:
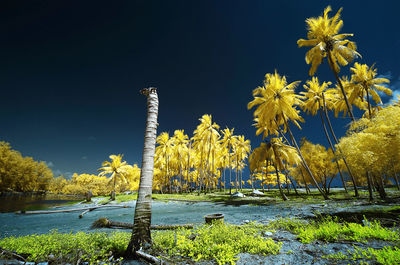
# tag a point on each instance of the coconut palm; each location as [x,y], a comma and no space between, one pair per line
[228,141]
[116,169]
[313,102]
[365,84]
[180,140]
[141,236]
[241,149]
[205,135]
[280,153]
[163,153]
[326,42]
[276,103]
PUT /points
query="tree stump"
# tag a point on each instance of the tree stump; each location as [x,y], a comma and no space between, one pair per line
[213,218]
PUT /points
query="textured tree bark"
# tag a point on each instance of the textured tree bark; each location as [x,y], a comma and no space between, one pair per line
[141,236]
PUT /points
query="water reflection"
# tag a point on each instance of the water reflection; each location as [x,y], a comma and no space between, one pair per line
[18,202]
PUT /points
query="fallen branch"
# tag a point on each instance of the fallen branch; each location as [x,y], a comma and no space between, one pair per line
[72,210]
[105,223]
[11,253]
[149,257]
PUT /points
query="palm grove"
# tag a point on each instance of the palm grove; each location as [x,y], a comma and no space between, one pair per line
[214,158]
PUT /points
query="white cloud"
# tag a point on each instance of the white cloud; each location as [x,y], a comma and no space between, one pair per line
[49,164]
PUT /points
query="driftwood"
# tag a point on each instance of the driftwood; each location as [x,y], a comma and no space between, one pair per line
[72,210]
[148,257]
[105,223]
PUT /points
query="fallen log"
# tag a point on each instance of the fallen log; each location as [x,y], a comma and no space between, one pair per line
[105,223]
[71,210]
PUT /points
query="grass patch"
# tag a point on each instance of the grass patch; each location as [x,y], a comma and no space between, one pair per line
[329,229]
[68,248]
[385,256]
[219,242]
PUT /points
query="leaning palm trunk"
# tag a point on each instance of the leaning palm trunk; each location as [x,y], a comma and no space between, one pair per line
[279,183]
[332,148]
[141,236]
[330,61]
[336,141]
[304,163]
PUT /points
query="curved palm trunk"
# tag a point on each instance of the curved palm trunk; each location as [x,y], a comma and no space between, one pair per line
[332,148]
[330,61]
[279,183]
[141,236]
[336,141]
[304,161]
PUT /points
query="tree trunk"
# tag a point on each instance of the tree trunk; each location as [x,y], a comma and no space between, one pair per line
[330,61]
[230,171]
[336,141]
[332,147]
[279,184]
[304,161]
[396,180]
[371,194]
[141,236]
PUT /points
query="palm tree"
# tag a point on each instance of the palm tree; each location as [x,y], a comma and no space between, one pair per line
[228,141]
[276,103]
[180,140]
[116,168]
[164,151]
[241,149]
[364,84]
[205,135]
[313,102]
[326,42]
[280,153]
[141,236]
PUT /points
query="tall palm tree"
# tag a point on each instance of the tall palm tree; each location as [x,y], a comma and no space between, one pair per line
[141,236]
[276,104]
[241,149]
[313,102]
[180,140]
[365,84]
[164,151]
[116,168]
[228,141]
[326,42]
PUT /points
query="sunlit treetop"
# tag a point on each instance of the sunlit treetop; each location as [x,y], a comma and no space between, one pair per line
[363,81]
[339,103]
[276,102]
[323,35]
[314,94]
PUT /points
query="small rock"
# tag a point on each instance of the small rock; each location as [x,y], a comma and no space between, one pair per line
[238,195]
[257,192]
[246,221]
[267,233]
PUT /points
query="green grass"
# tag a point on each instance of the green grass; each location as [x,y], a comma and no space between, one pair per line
[68,248]
[385,256]
[329,229]
[219,242]
[272,195]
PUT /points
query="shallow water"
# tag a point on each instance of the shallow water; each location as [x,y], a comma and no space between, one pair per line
[12,224]
[17,202]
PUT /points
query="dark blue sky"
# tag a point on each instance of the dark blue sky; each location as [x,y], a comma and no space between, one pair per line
[71,71]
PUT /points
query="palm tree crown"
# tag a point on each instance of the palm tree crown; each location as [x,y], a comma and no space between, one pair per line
[323,36]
